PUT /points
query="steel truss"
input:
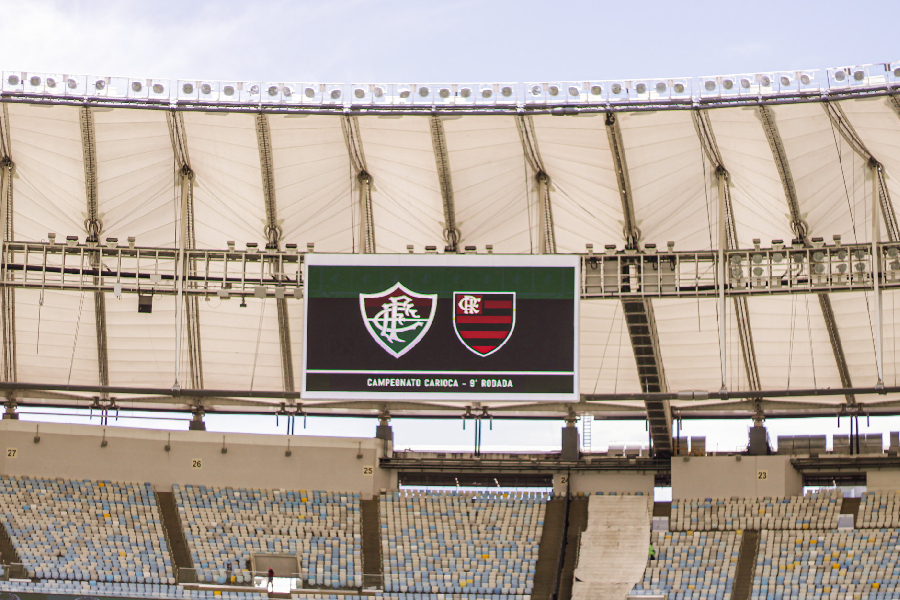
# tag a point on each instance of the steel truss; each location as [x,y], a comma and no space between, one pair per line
[623,274]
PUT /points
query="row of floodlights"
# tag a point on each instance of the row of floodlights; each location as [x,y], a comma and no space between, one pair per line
[567,92]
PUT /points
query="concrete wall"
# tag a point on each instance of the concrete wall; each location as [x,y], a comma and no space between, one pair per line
[887,480]
[727,476]
[253,461]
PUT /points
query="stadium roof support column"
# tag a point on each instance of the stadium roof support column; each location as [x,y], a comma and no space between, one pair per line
[801,231]
[639,316]
[94,226]
[8,293]
[441,158]
[840,122]
[881,197]
[704,129]
[363,181]
[273,239]
[187,242]
[528,137]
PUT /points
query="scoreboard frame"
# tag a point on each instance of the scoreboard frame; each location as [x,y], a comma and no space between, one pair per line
[459,394]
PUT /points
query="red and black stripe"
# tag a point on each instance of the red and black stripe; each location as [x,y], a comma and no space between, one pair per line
[484,331]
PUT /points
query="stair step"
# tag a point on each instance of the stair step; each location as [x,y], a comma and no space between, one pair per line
[178,548]
[546,571]
[578,518]
[746,565]
[371,544]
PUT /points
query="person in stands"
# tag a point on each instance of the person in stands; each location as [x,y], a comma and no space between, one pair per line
[652,552]
[271,585]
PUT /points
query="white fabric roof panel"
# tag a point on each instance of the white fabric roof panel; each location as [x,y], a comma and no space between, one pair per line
[56,337]
[607,360]
[313,195]
[228,196]
[496,203]
[48,186]
[830,178]
[584,190]
[673,201]
[406,199]
[493,186]
[792,346]
[688,330]
[140,347]
[758,201]
[136,176]
[240,345]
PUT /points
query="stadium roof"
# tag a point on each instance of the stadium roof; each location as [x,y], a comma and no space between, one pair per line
[793,161]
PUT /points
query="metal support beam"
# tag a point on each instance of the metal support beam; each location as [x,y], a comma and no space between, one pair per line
[639,315]
[707,137]
[452,234]
[273,239]
[7,293]
[801,231]
[190,302]
[840,122]
[362,181]
[528,137]
[93,227]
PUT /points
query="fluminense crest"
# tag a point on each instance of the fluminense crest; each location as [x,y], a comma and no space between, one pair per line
[397,318]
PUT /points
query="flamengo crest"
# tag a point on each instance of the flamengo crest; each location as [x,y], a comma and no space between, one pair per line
[484,321]
[397,318]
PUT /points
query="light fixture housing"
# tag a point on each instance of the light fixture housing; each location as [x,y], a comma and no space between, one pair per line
[618,91]
[187,90]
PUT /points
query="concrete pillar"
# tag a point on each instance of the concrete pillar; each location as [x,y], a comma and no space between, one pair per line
[197,424]
[570,445]
[759,441]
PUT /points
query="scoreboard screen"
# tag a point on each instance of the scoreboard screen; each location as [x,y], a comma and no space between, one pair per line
[441,327]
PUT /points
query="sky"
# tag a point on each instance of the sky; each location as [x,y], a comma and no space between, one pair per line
[453,41]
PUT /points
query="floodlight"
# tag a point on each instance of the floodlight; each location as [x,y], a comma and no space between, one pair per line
[13,80]
[158,88]
[136,86]
[728,83]
[617,88]
[660,87]
[641,88]
[679,88]
[896,70]
[840,75]
[765,81]
[361,93]
[535,90]
[71,83]
[710,85]
[51,82]
[804,78]
[465,92]
[786,80]
[100,84]
[287,91]
[404,91]
[188,88]
[506,91]
[859,74]
[444,92]
[273,90]
[487,92]
[574,91]
[378,92]
[205,88]
[335,94]
[254,90]
[228,90]
[424,91]
[35,81]
[596,90]
[309,92]
[745,83]
[553,89]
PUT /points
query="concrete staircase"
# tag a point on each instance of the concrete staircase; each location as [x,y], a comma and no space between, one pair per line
[613,550]
[578,519]
[371,544]
[178,548]
[550,552]
[9,556]
[746,567]
[850,506]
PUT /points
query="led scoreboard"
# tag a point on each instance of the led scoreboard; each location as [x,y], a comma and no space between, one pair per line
[419,327]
